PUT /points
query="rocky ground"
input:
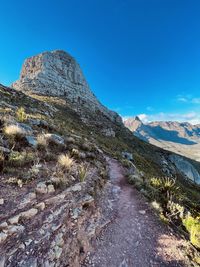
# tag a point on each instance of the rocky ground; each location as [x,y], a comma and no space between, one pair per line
[135,237]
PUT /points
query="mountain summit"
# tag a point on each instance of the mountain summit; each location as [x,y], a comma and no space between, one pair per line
[57,73]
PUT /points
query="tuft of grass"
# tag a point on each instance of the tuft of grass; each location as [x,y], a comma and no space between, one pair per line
[65,162]
[13,131]
[2,161]
[21,114]
[42,141]
[82,172]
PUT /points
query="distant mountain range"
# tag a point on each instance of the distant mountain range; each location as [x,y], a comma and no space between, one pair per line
[182,138]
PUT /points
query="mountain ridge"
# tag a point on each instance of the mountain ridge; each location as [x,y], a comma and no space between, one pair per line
[179,137]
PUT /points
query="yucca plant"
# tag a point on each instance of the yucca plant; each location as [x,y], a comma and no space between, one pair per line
[82,172]
[21,114]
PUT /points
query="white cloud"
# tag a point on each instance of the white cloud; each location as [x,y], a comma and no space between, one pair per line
[143,117]
[188,99]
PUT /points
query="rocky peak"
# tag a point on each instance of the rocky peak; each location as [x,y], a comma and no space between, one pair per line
[56,73]
[137,118]
[133,123]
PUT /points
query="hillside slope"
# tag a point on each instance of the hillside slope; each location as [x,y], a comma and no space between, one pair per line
[55,182]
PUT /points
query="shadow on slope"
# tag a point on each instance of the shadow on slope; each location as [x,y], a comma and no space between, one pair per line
[158,133]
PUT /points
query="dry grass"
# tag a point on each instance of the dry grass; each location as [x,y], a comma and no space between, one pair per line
[13,130]
[42,141]
[65,161]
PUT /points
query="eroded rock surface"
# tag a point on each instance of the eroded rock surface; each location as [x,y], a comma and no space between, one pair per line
[57,73]
[53,232]
[186,168]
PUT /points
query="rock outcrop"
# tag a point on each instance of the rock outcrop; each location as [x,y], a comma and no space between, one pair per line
[57,73]
[186,168]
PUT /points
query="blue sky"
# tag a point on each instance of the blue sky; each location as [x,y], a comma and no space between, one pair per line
[139,56]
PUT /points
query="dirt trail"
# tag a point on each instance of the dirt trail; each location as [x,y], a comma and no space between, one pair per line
[136,237]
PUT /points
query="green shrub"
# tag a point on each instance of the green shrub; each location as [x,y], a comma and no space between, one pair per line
[192,225]
[20,159]
[21,114]
[165,186]
[82,172]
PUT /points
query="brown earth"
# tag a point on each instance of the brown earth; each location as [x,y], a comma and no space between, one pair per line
[136,237]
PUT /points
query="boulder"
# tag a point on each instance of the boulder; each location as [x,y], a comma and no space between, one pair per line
[50,188]
[39,123]
[3,237]
[40,206]
[29,213]
[55,138]
[41,188]
[3,225]
[25,128]
[4,150]
[32,141]
[127,155]
[14,220]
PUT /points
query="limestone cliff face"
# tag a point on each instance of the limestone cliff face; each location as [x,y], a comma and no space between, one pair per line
[57,73]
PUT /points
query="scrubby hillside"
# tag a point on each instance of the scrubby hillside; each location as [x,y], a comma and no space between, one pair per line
[54,179]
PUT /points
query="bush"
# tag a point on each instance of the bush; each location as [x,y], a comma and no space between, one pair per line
[192,225]
[165,186]
[42,141]
[65,162]
[21,115]
[13,131]
[82,172]
[20,159]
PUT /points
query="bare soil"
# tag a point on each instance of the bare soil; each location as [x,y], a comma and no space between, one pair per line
[136,237]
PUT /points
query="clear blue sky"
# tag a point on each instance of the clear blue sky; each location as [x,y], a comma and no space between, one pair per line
[139,56]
